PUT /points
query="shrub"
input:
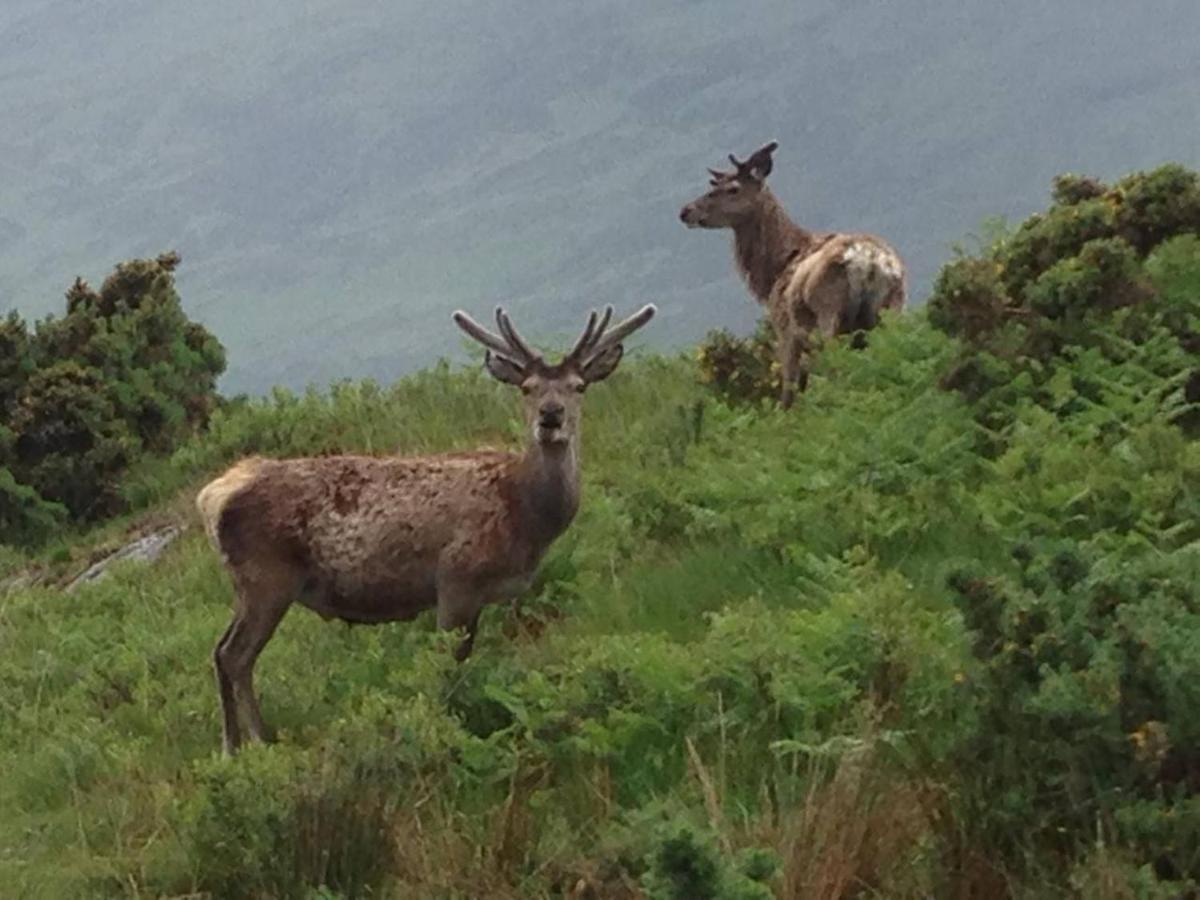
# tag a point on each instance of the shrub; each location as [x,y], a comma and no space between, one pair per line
[123,373]
[1081,275]
[741,370]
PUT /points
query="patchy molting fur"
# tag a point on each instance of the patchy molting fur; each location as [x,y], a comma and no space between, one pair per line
[377,539]
[831,283]
[367,536]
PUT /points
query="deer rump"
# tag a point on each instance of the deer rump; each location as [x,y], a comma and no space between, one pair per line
[362,539]
[842,285]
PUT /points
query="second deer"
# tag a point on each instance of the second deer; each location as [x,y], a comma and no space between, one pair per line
[376,539]
[827,283]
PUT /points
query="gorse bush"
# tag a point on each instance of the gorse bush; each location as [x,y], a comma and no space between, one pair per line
[1103,270]
[741,369]
[1080,333]
[123,373]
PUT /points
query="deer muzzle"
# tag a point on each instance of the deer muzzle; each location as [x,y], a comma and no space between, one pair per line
[691,217]
[550,420]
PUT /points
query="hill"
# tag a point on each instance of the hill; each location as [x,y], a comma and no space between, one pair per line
[339,174]
[923,636]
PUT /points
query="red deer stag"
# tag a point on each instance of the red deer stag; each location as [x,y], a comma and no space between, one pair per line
[377,539]
[828,283]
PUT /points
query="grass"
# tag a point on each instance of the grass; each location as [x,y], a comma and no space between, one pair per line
[742,669]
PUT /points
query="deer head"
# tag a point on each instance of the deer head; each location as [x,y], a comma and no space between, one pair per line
[553,393]
[733,196]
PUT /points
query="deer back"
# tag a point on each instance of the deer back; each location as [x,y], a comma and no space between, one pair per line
[366,519]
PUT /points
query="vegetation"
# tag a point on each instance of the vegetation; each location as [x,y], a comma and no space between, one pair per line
[121,374]
[935,632]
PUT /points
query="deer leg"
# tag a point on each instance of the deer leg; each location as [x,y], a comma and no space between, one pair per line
[867,319]
[469,622]
[829,324]
[261,629]
[252,628]
[792,376]
[468,641]
[231,733]
[459,606]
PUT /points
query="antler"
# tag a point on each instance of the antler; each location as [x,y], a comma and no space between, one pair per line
[596,337]
[511,346]
[595,341]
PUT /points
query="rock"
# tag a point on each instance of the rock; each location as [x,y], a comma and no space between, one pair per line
[17,583]
[146,548]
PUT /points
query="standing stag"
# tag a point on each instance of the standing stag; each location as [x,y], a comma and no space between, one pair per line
[831,283]
[370,539]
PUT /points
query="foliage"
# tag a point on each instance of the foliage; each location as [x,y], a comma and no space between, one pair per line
[1080,331]
[900,641]
[123,373]
[741,369]
[1098,271]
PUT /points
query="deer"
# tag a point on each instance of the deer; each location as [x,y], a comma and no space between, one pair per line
[374,539]
[825,282]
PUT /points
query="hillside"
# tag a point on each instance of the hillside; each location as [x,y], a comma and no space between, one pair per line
[339,174]
[910,639]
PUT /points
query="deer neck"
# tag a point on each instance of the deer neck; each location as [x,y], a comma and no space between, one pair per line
[766,242]
[549,481]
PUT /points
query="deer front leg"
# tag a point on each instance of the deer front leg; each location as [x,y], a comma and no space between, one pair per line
[459,606]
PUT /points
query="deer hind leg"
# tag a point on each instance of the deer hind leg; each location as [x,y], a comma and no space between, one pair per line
[231,732]
[866,318]
[795,353]
[793,368]
[261,606]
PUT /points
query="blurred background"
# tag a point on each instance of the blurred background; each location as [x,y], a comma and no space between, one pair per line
[339,174]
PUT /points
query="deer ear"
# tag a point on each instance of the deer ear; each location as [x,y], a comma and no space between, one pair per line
[503,369]
[760,162]
[602,365]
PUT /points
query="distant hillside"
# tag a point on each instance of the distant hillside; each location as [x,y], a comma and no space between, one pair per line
[339,176]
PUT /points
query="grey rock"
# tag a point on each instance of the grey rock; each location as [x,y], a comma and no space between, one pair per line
[146,548]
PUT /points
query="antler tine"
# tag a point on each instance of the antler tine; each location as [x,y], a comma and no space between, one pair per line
[582,342]
[515,340]
[622,329]
[600,329]
[608,314]
[482,335]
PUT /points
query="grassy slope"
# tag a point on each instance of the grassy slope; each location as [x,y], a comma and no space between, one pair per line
[819,542]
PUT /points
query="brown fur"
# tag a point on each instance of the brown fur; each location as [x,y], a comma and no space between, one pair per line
[830,283]
[378,539]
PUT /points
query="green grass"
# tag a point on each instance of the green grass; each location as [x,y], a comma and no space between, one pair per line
[751,607]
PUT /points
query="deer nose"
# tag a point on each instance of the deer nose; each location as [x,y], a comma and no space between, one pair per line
[550,414]
[684,213]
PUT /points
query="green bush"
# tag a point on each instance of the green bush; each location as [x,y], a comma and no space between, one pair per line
[741,370]
[1082,275]
[122,374]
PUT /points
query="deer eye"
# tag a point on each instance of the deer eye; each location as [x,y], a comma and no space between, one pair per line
[732,189]
[526,389]
[580,387]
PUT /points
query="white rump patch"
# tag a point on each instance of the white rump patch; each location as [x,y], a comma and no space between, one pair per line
[871,270]
[862,255]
